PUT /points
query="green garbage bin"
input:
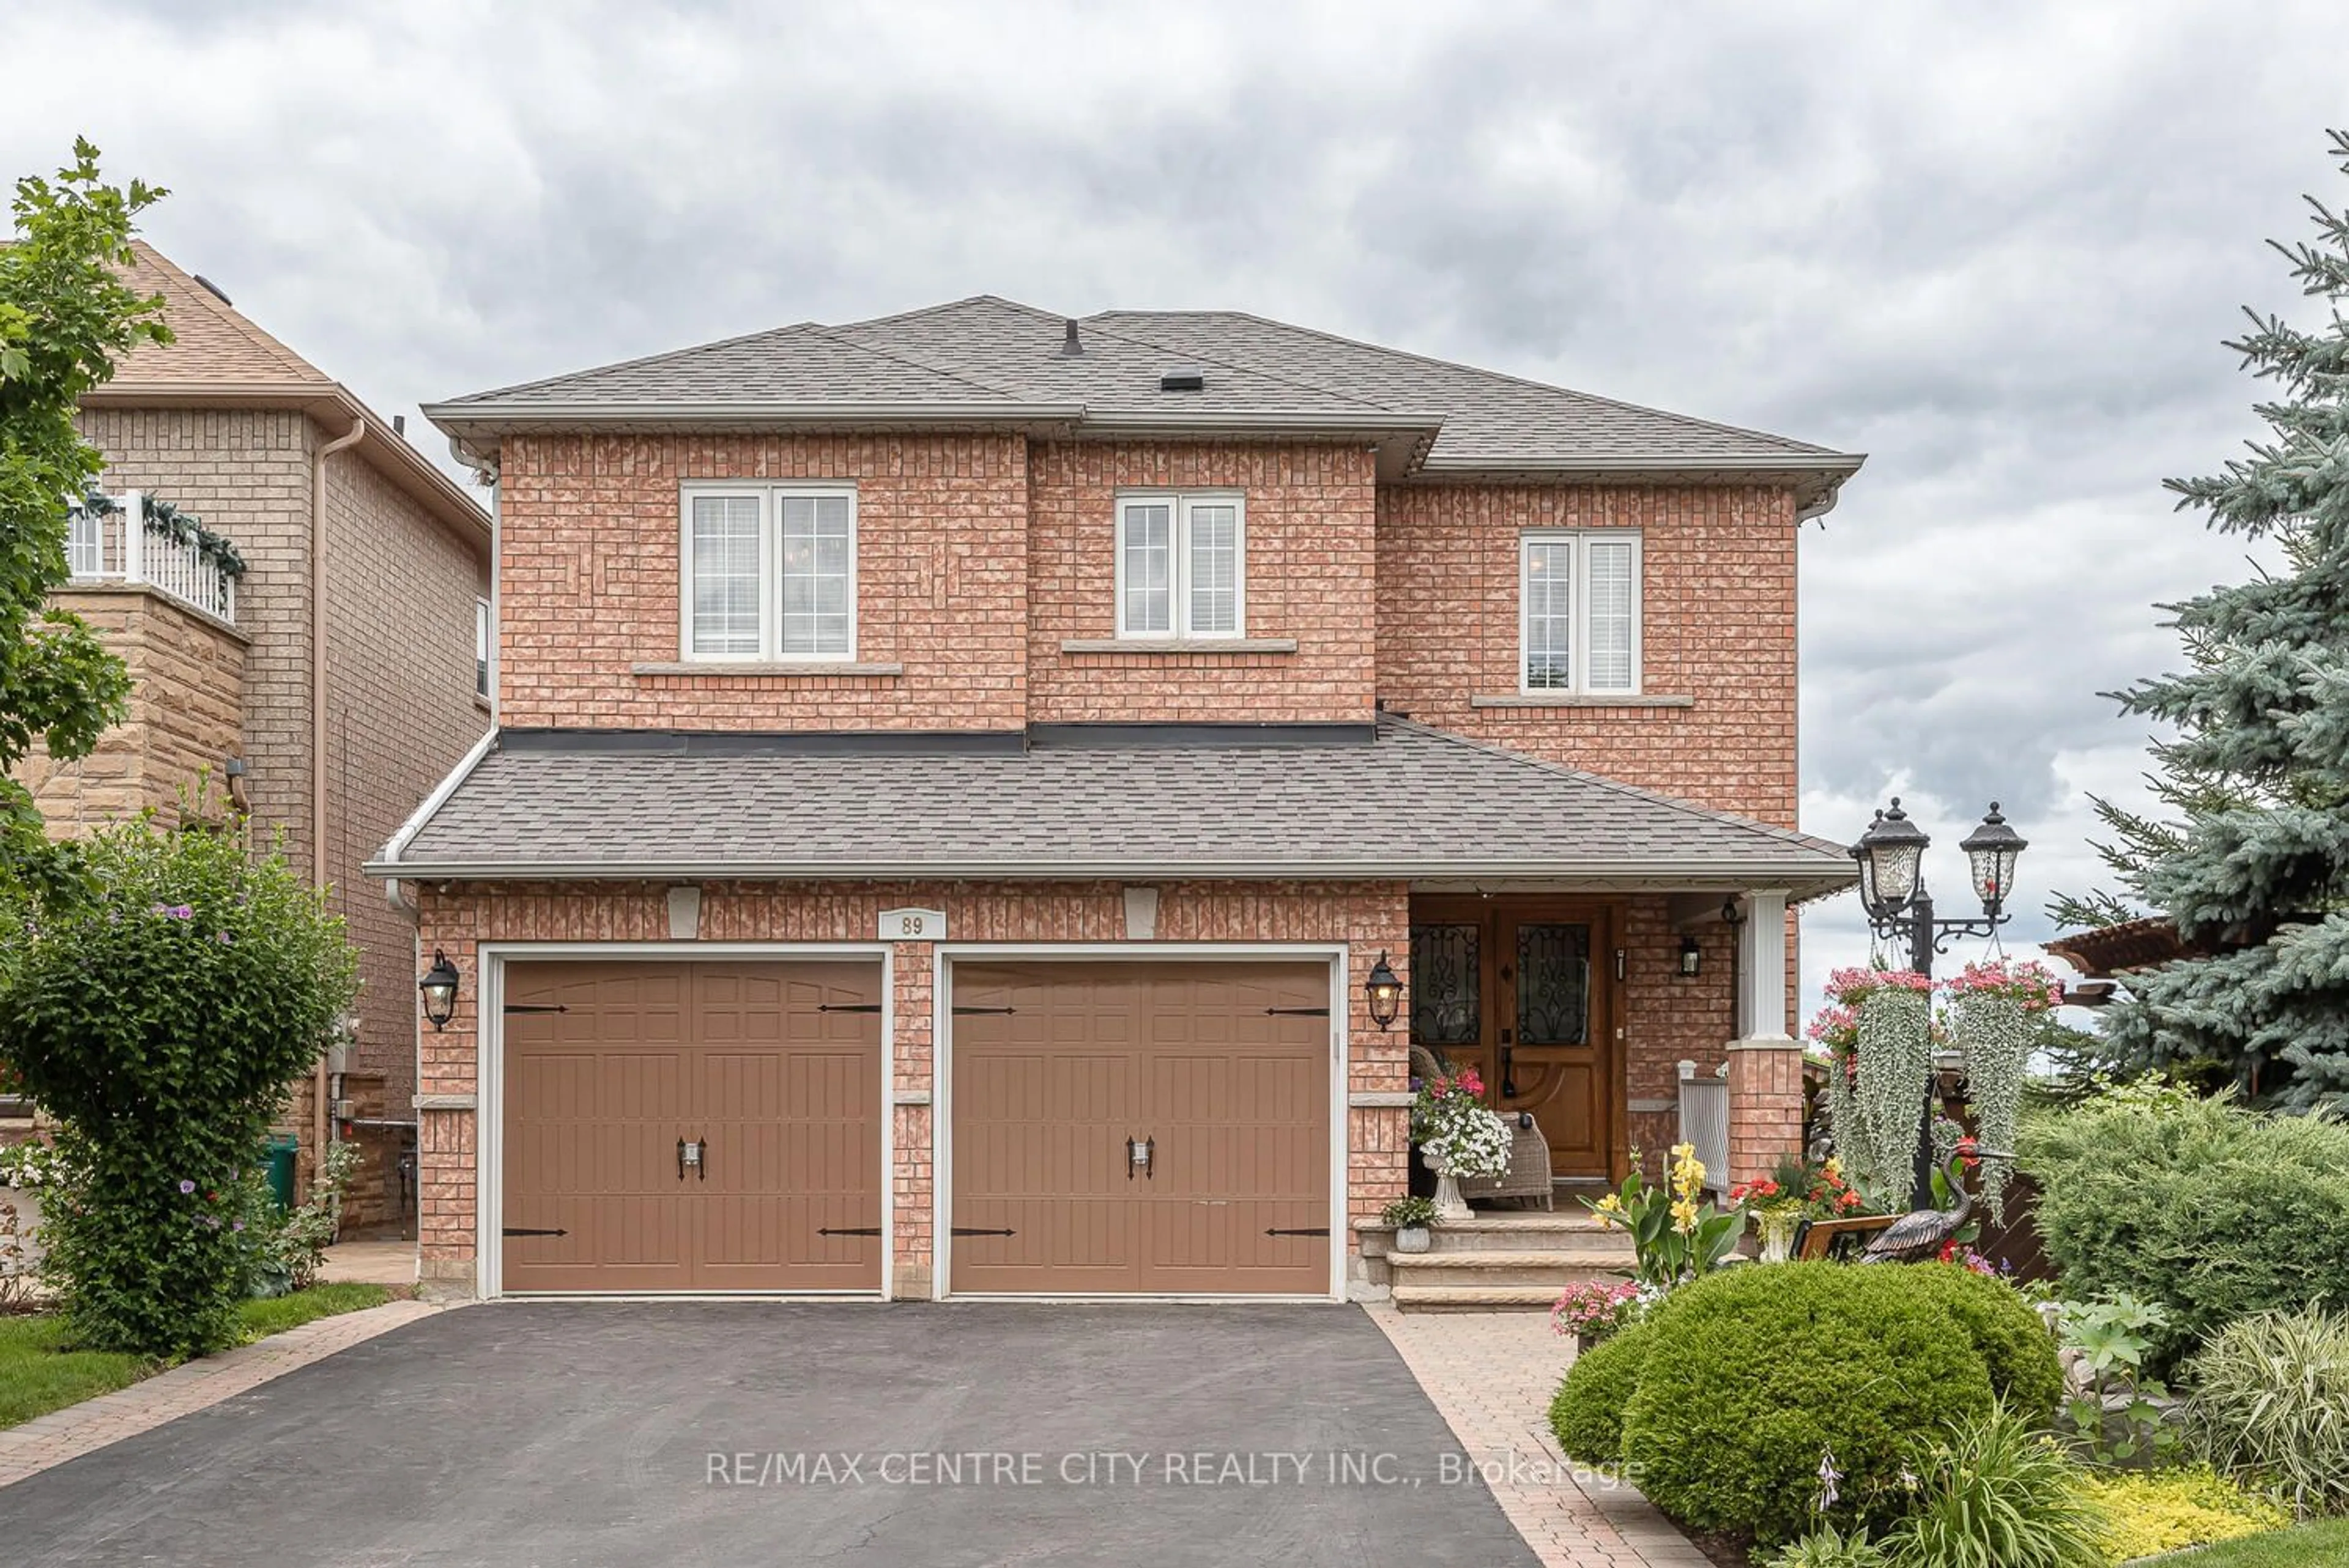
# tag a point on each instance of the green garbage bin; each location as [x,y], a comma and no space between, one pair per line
[282,1146]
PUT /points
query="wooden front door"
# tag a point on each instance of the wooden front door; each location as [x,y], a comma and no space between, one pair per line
[771,1072]
[1132,1126]
[1524,990]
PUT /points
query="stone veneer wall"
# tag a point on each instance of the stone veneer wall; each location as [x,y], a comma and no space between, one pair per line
[187,691]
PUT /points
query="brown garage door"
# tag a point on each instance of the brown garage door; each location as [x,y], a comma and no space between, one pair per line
[775,1069]
[1219,1071]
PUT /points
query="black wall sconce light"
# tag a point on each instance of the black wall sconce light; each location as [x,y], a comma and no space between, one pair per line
[1383,991]
[1691,957]
[439,988]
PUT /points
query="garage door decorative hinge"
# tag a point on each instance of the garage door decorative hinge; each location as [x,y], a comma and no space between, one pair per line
[517,1231]
[848,1007]
[536,1007]
[1305,1231]
[848,1229]
[975,1230]
[963,1010]
[1296,1012]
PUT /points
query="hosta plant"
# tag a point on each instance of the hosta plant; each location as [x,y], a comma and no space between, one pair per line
[1998,1494]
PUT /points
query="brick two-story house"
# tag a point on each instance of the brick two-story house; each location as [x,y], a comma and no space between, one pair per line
[956,775]
[327,684]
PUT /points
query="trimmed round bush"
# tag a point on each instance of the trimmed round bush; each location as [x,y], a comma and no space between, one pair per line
[2013,1340]
[1750,1378]
[1586,1412]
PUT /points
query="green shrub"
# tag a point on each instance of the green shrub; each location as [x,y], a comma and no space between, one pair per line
[2271,1403]
[1586,1412]
[1755,1380]
[159,1015]
[2214,1212]
[1998,1493]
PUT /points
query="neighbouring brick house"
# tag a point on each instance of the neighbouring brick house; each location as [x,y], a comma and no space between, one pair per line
[955,774]
[330,684]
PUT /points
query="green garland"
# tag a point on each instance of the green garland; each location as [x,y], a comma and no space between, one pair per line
[168,522]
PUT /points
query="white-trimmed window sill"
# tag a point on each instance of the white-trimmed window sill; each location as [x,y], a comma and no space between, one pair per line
[1580,700]
[1178,645]
[792,668]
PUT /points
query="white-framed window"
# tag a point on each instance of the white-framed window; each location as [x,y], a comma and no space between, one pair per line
[480,648]
[1580,611]
[769,572]
[1182,565]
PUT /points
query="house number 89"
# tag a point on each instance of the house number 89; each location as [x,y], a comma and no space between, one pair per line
[913,925]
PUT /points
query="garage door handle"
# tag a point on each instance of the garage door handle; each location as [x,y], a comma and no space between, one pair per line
[1141,1154]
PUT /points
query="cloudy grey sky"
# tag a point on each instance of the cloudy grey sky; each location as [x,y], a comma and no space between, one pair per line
[1994,245]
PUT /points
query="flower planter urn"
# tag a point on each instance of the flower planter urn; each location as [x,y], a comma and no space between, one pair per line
[1449,1204]
[1777,1233]
[1412,1239]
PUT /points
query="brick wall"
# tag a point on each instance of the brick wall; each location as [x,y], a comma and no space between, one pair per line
[400,713]
[400,639]
[1308,532]
[591,534]
[1717,623]
[247,474]
[1368,917]
[187,682]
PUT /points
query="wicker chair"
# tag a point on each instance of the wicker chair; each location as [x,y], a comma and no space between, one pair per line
[1528,1174]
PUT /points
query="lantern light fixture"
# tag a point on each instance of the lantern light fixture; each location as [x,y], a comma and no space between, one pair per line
[1991,850]
[439,987]
[1384,991]
[1891,855]
[1691,956]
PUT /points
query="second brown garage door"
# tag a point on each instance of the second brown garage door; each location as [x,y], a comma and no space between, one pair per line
[1217,1074]
[771,1072]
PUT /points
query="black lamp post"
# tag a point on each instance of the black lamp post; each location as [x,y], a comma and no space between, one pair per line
[439,988]
[1891,858]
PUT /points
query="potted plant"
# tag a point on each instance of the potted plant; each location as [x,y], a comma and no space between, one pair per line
[1458,1137]
[1591,1310]
[1794,1193]
[1411,1217]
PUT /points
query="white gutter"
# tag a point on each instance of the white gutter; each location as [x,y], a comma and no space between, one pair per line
[389,866]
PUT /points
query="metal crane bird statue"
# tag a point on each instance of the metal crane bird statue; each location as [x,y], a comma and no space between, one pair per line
[1920,1235]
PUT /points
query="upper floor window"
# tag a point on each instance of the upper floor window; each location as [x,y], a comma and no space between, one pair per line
[770,572]
[1182,561]
[480,648]
[1580,615]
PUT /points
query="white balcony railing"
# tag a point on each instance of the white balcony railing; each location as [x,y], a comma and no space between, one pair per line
[130,545]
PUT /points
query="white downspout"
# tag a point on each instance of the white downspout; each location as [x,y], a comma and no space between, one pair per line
[321,1123]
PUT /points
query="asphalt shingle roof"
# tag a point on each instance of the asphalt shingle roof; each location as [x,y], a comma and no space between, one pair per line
[1008,357]
[1414,803]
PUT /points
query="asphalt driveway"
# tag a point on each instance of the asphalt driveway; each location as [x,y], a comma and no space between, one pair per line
[725,1433]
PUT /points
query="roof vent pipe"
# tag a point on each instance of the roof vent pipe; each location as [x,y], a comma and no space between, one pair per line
[1069,346]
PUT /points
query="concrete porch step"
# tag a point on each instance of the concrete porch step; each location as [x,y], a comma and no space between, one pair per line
[1476,1298]
[1548,1270]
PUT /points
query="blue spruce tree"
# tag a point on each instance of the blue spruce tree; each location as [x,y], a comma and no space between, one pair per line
[2256,870]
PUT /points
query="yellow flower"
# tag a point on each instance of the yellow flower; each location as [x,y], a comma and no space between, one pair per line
[1607,1211]
[1834,1167]
[1684,1217]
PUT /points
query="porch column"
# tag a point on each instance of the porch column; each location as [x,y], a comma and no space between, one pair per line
[1765,1063]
